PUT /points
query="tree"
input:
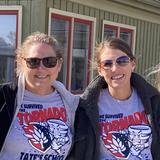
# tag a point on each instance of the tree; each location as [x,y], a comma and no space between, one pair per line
[12,38]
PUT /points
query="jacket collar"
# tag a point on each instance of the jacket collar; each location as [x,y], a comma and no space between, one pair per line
[144,90]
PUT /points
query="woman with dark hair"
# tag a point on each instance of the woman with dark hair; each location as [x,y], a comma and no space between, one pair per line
[37,114]
[119,113]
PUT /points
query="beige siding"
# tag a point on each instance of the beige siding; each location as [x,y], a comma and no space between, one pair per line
[38,16]
[26,18]
[13,2]
[75,8]
[86,11]
[49,3]
[56,3]
[69,7]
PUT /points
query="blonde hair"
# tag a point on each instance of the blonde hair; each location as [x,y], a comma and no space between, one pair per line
[157,80]
[34,38]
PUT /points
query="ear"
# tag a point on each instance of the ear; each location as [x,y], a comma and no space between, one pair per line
[60,64]
[99,71]
[133,65]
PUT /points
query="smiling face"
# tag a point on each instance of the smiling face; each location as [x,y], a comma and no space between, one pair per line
[39,80]
[117,77]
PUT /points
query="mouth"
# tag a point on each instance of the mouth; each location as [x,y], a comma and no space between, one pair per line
[41,76]
[117,77]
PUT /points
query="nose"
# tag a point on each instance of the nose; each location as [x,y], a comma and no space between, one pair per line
[41,65]
[114,67]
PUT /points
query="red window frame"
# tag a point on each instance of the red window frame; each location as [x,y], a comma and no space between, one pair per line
[17,12]
[128,31]
[12,12]
[71,21]
[89,23]
[112,27]
[119,29]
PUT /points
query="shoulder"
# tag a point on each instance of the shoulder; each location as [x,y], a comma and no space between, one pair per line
[66,95]
[8,90]
[8,86]
[62,89]
[58,84]
[92,92]
[7,93]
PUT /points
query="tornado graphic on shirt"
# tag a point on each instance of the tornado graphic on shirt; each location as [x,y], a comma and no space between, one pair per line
[124,129]
[41,130]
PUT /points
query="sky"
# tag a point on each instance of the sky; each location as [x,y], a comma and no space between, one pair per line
[7,24]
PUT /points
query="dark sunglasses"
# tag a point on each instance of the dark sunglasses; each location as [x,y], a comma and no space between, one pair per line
[48,62]
[120,61]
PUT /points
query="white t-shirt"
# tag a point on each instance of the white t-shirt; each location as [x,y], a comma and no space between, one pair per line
[40,130]
[124,129]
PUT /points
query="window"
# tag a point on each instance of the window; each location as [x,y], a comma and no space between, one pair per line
[75,34]
[125,32]
[10,29]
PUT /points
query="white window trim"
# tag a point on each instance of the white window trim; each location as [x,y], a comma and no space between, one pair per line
[120,25]
[19,9]
[70,14]
[83,17]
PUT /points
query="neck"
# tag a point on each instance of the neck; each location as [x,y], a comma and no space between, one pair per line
[41,91]
[120,94]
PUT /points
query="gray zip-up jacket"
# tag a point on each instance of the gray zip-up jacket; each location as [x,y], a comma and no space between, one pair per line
[86,125]
[11,97]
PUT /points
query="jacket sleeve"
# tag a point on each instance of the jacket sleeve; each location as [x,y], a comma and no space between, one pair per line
[2,101]
[159,112]
[7,94]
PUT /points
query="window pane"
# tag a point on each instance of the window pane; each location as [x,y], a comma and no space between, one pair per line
[126,35]
[60,30]
[7,46]
[6,69]
[110,31]
[80,56]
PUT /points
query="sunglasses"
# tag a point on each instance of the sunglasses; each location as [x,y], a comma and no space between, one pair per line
[48,62]
[120,61]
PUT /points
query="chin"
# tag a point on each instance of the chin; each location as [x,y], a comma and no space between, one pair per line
[38,84]
[118,86]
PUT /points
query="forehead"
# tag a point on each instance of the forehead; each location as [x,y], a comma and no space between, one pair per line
[108,53]
[40,50]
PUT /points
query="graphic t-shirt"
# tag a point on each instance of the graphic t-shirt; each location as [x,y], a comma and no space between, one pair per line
[40,130]
[124,129]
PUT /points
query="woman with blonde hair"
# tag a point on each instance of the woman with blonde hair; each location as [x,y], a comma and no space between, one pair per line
[37,114]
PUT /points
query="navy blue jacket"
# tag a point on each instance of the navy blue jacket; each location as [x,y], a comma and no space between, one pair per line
[7,99]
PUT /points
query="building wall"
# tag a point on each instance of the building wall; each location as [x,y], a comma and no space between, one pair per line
[147,45]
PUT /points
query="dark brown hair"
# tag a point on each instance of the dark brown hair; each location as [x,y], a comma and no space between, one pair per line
[113,43]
